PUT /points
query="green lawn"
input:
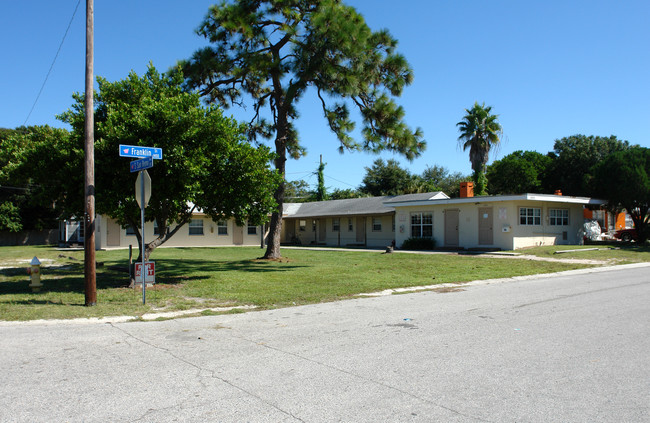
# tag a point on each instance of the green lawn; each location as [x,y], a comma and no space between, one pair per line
[212,277]
[625,253]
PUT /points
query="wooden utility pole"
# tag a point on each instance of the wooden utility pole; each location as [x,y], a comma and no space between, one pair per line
[89,184]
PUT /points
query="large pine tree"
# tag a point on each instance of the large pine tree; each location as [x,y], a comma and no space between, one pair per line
[273,51]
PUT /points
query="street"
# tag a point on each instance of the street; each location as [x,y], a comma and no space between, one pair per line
[567,348]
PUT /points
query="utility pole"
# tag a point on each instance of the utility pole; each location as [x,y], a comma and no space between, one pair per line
[89,167]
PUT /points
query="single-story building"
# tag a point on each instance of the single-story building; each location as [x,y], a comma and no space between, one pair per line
[351,222]
[201,231]
[505,222]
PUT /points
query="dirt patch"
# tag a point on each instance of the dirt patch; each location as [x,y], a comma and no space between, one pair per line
[277,260]
[446,289]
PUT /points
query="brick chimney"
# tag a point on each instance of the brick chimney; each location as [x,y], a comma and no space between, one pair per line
[558,192]
[466,189]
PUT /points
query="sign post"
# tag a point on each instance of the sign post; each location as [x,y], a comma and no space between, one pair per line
[146,156]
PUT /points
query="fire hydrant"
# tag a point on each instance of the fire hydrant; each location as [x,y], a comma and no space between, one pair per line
[35,275]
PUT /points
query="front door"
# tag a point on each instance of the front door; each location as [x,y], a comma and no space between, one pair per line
[290,233]
[451,227]
[113,231]
[361,230]
[485,225]
[238,235]
[322,226]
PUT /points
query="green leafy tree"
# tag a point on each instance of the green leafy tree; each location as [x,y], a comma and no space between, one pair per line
[342,194]
[439,178]
[273,52]
[479,132]
[386,178]
[207,163]
[573,158]
[297,191]
[519,172]
[623,179]
[33,161]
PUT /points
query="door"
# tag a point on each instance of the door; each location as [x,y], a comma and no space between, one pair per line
[290,233]
[238,235]
[361,230]
[485,225]
[322,226]
[112,233]
[451,227]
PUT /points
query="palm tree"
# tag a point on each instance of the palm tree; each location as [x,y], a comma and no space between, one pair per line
[479,131]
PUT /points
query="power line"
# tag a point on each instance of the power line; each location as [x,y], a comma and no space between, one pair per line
[340,181]
[53,61]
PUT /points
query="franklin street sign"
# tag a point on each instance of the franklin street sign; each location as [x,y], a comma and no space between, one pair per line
[140,152]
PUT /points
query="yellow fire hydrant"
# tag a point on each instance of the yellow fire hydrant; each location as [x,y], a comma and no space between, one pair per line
[35,275]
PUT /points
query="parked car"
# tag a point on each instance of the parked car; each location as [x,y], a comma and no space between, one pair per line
[626,235]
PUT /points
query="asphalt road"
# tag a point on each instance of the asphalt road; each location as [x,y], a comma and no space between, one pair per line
[571,348]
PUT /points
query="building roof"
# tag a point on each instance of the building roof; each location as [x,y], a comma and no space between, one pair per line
[501,198]
[353,206]
[386,205]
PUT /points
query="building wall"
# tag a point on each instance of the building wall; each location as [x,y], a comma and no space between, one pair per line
[507,231]
[345,236]
[182,238]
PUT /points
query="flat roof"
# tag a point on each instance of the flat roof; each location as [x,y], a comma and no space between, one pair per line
[501,198]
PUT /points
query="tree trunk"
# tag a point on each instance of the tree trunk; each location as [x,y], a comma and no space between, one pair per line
[275,229]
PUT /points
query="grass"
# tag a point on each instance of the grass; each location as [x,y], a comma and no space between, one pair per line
[188,278]
[623,254]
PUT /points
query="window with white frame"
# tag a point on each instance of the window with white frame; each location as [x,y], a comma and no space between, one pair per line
[156,231]
[376,224]
[336,224]
[558,217]
[530,216]
[196,227]
[422,225]
[252,229]
[130,230]
[302,225]
[222,227]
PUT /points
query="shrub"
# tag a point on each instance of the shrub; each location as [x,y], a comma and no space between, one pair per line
[419,244]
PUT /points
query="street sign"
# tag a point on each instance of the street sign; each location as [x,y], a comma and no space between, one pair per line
[150,272]
[143,176]
[139,152]
[141,164]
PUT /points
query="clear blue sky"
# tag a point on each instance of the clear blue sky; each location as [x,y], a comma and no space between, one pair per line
[549,69]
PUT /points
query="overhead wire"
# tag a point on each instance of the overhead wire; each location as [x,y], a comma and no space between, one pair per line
[53,61]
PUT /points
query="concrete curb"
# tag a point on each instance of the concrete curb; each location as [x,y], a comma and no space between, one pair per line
[413,289]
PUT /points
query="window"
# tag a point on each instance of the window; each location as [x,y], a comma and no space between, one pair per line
[156,231]
[196,226]
[530,216]
[303,225]
[558,217]
[422,225]
[376,224]
[350,225]
[222,227]
[393,222]
[130,230]
[336,224]
[252,229]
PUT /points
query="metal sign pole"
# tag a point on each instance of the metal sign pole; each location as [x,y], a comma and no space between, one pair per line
[143,269]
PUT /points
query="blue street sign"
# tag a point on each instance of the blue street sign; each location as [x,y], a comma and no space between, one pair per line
[142,164]
[136,151]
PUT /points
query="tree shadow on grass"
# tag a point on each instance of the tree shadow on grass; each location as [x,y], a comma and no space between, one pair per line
[70,277]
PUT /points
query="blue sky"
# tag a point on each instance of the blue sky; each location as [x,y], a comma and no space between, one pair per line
[549,69]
